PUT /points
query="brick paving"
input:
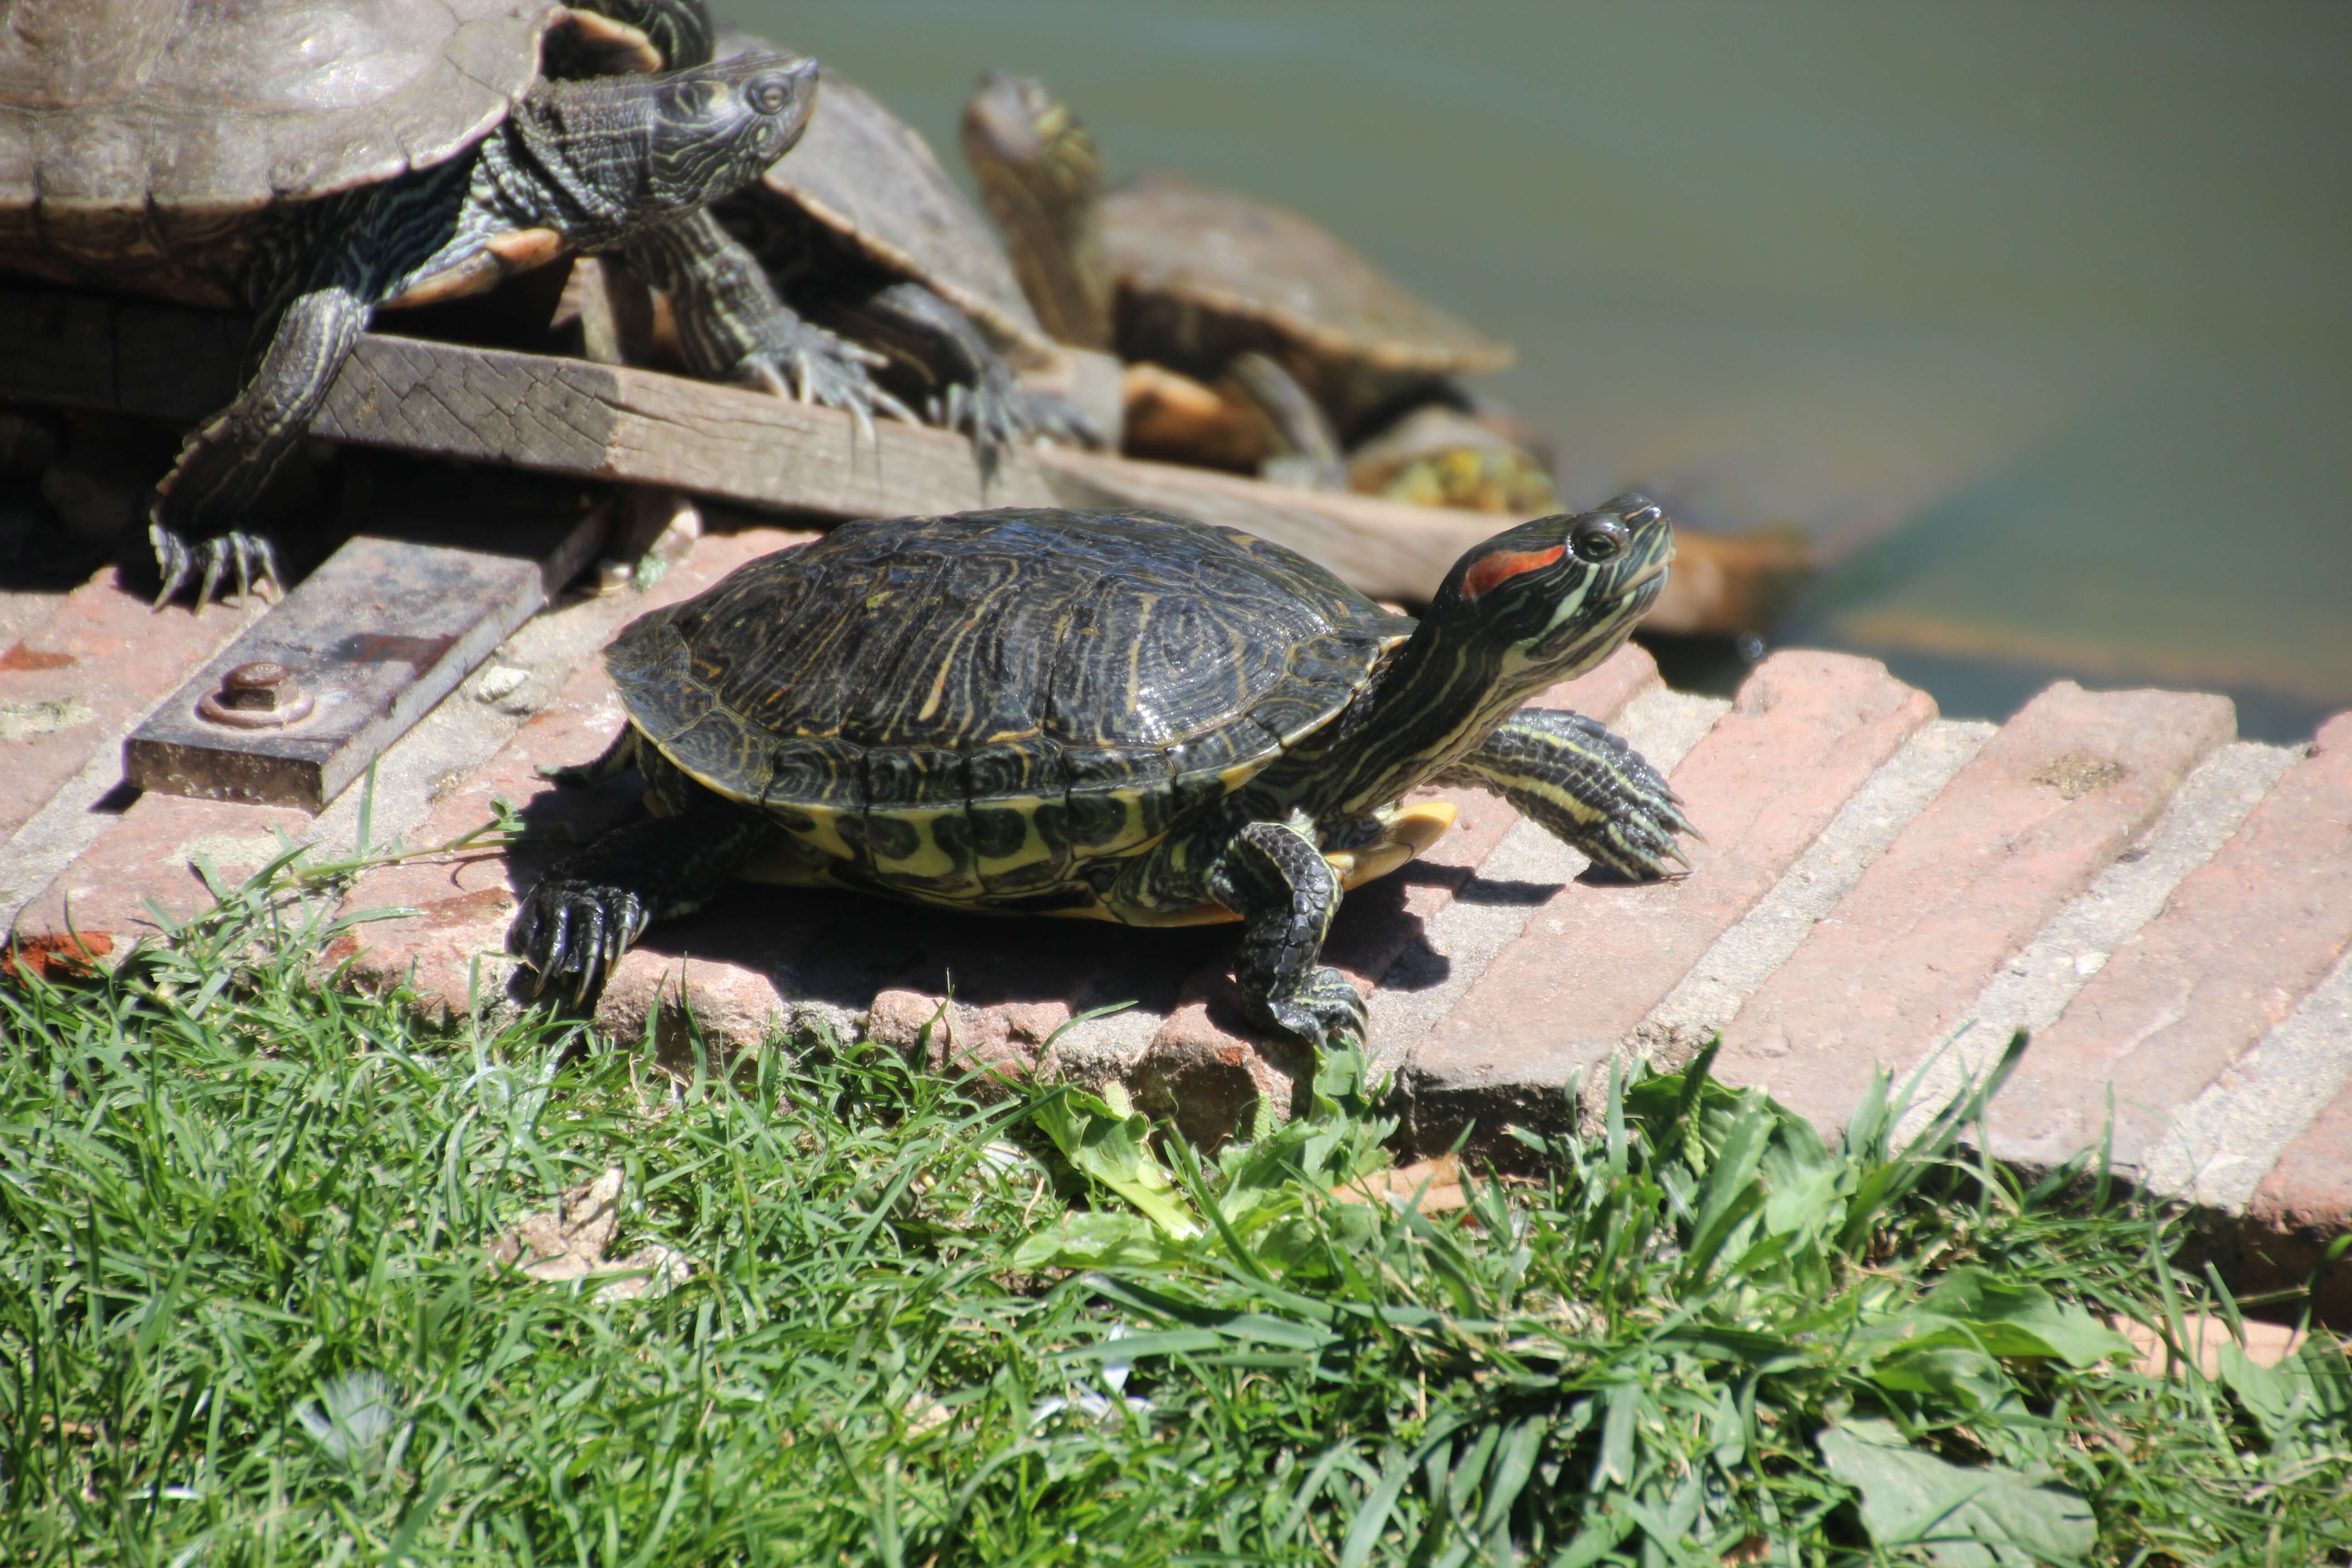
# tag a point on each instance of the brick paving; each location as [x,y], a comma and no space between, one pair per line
[2168,909]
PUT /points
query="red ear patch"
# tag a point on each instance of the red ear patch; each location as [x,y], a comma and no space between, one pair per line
[1497,569]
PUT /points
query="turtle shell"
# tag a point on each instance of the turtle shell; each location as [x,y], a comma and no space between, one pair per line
[870,177]
[970,708]
[1204,274]
[139,137]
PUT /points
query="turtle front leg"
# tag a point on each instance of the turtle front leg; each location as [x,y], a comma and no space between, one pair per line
[1274,876]
[733,326]
[1586,786]
[227,461]
[592,906]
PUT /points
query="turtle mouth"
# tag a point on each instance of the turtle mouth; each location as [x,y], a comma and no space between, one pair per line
[1652,571]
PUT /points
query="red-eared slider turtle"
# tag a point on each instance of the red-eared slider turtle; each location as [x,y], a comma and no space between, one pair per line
[311,161]
[863,232]
[1117,715]
[1167,269]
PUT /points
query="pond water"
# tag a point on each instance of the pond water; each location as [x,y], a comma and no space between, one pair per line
[2037,317]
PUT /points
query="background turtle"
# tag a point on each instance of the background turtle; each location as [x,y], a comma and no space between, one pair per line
[1227,291]
[861,230]
[311,161]
[1120,715]
[1171,271]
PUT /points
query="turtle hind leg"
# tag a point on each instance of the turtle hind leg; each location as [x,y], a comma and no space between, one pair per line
[195,522]
[576,923]
[1274,876]
[1585,785]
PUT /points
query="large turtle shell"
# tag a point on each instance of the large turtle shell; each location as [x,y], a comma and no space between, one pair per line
[139,137]
[1211,254]
[969,707]
[870,177]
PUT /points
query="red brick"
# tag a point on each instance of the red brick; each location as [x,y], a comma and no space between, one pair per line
[2241,941]
[2054,796]
[466,900]
[1807,730]
[104,654]
[148,854]
[2302,1205]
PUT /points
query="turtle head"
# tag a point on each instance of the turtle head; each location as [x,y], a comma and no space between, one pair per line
[1041,176]
[1555,596]
[633,148]
[1015,123]
[716,128]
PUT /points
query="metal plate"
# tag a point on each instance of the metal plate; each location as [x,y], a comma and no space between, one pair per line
[375,636]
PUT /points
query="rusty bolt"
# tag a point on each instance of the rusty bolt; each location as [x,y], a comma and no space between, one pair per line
[264,686]
[261,695]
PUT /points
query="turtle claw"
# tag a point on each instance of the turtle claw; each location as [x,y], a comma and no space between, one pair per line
[209,560]
[812,366]
[1056,418]
[1326,1006]
[573,934]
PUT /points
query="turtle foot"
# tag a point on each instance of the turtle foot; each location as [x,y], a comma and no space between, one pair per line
[572,932]
[178,559]
[991,413]
[1058,419]
[1586,786]
[1324,1007]
[1638,843]
[806,362]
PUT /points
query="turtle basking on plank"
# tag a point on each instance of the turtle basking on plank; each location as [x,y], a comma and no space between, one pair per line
[1117,715]
[312,161]
[863,232]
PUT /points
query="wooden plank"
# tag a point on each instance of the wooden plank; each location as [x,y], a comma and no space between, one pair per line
[1381,547]
[633,426]
[369,643]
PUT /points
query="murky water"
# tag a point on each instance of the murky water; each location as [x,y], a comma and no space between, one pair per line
[2038,317]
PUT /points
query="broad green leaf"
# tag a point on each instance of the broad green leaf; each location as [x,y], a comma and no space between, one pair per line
[2264,1392]
[1115,1151]
[1097,1239]
[2023,1320]
[1965,1516]
[1954,1370]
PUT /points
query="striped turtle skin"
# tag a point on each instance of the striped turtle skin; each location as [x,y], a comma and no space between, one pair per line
[1119,715]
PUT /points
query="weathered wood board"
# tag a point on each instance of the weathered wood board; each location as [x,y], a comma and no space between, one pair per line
[634,426]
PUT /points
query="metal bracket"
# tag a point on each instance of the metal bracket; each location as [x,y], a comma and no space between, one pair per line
[363,648]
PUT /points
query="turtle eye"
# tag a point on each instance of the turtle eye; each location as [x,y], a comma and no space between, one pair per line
[1598,538]
[770,94]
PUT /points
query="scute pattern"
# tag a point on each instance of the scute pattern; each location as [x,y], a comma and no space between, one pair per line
[973,706]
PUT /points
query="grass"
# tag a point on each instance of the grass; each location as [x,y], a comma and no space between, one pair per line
[247,1316]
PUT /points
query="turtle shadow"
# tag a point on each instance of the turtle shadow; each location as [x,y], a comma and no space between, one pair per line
[846,951]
